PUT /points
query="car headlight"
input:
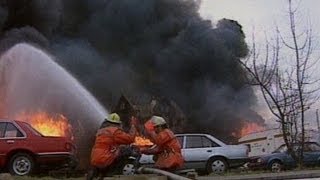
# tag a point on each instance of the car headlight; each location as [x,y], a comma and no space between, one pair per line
[259,160]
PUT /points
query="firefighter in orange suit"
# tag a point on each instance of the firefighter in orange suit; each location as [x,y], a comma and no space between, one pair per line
[168,149]
[105,152]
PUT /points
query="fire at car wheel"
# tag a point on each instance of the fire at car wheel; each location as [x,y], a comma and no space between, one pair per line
[21,164]
[217,166]
[275,166]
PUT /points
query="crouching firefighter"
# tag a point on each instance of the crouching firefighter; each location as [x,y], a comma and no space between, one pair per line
[106,153]
[168,149]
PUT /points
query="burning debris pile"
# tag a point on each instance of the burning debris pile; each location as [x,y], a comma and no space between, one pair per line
[162,50]
[142,141]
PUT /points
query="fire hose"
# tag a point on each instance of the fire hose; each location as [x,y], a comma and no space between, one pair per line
[145,170]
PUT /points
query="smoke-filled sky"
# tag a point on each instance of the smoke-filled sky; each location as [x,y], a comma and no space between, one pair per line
[261,17]
[155,48]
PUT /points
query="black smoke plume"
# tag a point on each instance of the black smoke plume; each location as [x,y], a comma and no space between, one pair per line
[159,48]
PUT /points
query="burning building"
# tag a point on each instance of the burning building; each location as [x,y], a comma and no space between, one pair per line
[144,109]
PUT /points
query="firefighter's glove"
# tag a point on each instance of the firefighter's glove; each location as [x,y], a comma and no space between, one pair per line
[149,126]
[134,121]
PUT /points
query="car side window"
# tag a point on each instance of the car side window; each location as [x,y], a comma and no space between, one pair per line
[206,142]
[2,129]
[200,142]
[12,131]
[194,142]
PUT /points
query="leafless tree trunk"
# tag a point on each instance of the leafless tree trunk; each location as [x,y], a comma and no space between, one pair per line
[284,77]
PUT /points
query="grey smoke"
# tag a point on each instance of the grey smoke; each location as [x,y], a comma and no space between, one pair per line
[150,47]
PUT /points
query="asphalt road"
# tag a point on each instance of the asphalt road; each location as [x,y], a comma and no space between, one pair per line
[303,174]
[295,174]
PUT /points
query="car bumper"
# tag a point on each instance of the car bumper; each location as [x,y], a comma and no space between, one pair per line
[237,162]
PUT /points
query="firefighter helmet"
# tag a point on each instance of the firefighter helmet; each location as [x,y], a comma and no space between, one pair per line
[158,121]
[113,118]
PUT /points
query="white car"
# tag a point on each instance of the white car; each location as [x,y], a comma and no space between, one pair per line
[204,152]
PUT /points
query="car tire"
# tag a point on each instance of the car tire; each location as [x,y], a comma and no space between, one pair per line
[275,166]
[129,168]
[21,164]
[217,165]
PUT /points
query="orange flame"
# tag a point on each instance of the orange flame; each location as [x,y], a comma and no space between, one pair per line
[250,128]
[55,125]
[142,141]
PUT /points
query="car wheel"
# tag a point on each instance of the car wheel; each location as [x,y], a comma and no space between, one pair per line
[217,165]
[276,166]
[21,164]
[129,168]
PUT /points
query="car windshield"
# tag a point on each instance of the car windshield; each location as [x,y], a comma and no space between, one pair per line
[33,130]
[283,148]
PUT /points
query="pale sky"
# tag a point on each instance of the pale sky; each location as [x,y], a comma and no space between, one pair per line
[263,15]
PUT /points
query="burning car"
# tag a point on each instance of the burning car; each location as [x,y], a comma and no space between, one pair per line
[24,149]
[205,152]
[280,159]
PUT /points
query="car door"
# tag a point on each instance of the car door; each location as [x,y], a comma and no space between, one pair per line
[311,154]
[197,150]
[2,143]
[11,138]
[287,159]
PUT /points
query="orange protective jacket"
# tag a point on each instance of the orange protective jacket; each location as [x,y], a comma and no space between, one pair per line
[169,150]
[106,147]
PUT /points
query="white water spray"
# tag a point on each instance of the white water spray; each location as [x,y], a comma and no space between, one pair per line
[31,80]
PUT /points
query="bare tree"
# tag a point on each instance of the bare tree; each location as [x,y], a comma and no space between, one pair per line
[284,75]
